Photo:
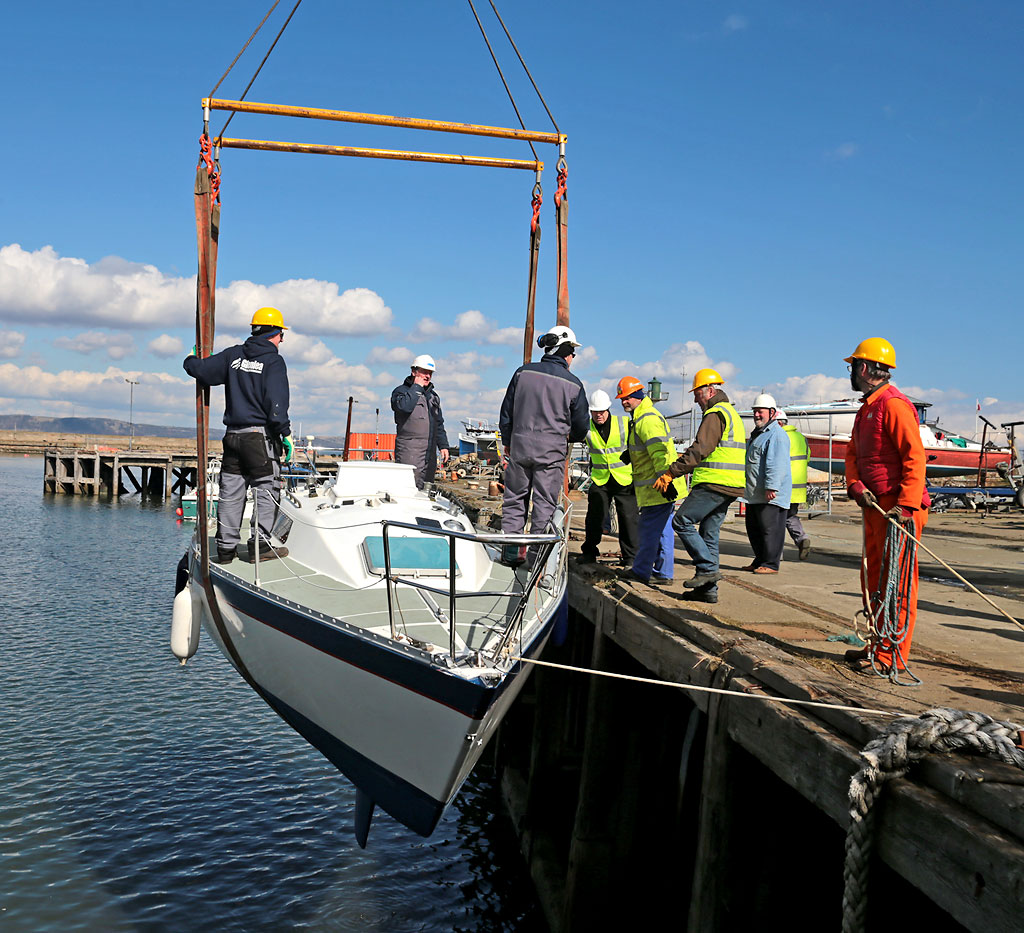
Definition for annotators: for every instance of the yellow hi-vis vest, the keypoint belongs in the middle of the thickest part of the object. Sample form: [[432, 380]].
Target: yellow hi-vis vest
[[605, 457], [797, 463], [651, 453], [726, 464]]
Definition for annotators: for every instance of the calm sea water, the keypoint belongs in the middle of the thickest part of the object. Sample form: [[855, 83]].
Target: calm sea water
[[136, 794]]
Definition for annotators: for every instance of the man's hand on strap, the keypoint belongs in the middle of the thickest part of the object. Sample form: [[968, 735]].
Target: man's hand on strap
[[289, 448]]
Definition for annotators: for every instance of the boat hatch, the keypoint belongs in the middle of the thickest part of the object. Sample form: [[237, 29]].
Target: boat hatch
[[426, 556]]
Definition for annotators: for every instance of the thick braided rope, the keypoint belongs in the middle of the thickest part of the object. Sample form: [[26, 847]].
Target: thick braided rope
[[890, 755]]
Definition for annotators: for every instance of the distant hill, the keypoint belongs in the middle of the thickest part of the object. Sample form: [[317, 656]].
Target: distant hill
[[106, 426]]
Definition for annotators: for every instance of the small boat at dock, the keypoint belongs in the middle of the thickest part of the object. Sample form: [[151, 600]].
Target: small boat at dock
[[390, 637]]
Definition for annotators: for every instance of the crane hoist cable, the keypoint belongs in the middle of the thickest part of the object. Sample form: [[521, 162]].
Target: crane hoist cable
[[280, 32]]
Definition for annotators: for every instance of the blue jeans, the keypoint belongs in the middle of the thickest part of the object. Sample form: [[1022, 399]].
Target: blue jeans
[[698, 523], [655, 548]]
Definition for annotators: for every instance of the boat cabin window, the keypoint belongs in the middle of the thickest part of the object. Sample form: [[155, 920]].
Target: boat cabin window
[[423, 556]]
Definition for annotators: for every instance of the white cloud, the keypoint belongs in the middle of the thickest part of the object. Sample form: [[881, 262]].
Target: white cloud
[[469, 325], [298, 348], [45, 288], [11, 342], [103, 394], [401, 355], [735, 22], [166, 346], [116, 346]]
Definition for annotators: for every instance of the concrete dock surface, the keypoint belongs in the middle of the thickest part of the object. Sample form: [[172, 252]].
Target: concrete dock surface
[[967, 654]]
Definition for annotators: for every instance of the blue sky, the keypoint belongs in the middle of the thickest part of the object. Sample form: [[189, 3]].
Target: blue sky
[[754, 186]]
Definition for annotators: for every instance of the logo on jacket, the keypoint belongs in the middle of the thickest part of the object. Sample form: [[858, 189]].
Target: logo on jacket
[[247, 366]]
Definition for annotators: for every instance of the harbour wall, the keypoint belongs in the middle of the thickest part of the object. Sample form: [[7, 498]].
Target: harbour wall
[[641, 804]]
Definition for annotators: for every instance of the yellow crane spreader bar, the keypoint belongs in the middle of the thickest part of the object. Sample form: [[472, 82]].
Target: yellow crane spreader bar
[[271, 145], [379, 119]]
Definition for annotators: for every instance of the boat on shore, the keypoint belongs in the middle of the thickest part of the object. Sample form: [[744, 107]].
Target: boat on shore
[[479, 438], [391, 637], [827, 427]]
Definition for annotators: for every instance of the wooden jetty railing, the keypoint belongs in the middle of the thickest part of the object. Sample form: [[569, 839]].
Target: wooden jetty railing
[[82, 472]]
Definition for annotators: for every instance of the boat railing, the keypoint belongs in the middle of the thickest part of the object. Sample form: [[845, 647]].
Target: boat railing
[[545, 544]]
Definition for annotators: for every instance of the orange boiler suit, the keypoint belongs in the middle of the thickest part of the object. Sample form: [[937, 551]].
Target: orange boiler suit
[[886, 454]]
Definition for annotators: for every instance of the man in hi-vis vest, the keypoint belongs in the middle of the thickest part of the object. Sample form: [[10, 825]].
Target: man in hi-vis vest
[[716, 461], [611, 480], [651, 450], [798, 453]]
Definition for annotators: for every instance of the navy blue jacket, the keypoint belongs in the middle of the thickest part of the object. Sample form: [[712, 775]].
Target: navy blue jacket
[[544, 409], [255, 381]]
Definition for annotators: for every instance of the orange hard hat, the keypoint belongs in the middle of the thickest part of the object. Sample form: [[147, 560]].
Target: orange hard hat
[[628, 385], [875, 349], [706, 377]]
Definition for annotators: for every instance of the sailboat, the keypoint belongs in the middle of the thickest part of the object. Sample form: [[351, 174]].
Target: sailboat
[[391, 637]]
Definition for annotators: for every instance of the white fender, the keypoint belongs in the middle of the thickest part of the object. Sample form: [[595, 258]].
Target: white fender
[[184, 626]]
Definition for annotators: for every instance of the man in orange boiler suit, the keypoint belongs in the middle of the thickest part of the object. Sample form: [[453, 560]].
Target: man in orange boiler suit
[[885, 465]]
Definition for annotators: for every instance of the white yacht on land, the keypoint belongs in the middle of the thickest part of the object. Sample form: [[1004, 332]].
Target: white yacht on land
[[390, 637]]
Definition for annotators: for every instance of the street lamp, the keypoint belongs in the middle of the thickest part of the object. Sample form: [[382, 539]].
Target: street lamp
[[131, 409]]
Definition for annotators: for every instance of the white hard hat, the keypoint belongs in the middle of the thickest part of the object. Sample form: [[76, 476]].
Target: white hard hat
[[781, 415], [424, 361], [599, 400], [764, 400], [556, 337]]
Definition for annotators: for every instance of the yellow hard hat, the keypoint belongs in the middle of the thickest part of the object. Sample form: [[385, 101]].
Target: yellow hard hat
[[268, 316], [876, 349], [706, 377]]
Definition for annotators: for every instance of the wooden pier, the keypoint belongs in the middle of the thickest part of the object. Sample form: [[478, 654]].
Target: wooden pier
[[78, 472], [640, 806]]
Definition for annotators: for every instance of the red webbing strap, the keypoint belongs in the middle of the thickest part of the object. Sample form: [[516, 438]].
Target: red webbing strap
[[531, 292], [562, 216], [207, 233]]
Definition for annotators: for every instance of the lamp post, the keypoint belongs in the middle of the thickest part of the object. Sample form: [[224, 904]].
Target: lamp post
[[131, 409]]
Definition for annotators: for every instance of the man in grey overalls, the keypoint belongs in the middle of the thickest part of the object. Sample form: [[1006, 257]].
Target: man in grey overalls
[[419, 423], [255, 381], [544, 410]]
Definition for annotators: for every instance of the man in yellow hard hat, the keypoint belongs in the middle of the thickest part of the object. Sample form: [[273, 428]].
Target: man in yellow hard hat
[[885, 470], [716, 461], [255, 380], [651, 450]]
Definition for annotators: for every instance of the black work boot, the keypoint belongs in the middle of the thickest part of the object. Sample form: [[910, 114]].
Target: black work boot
[[266, 552], [224, 557]]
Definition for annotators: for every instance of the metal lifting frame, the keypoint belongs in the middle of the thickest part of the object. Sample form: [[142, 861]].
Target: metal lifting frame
[[377, 119]]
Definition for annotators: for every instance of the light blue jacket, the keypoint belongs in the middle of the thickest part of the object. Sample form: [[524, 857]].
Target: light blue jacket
[[768, 466]]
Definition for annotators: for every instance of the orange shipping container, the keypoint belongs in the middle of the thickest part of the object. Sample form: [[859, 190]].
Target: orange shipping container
[[366, 445]]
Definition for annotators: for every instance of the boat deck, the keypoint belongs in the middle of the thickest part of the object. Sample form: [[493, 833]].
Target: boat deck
[[480, 620]]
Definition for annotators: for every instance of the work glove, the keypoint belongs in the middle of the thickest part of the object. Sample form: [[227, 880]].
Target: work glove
[[900, 513], [663, 482], [289, 449], [863, 496], [670, 493], [624, 457]]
